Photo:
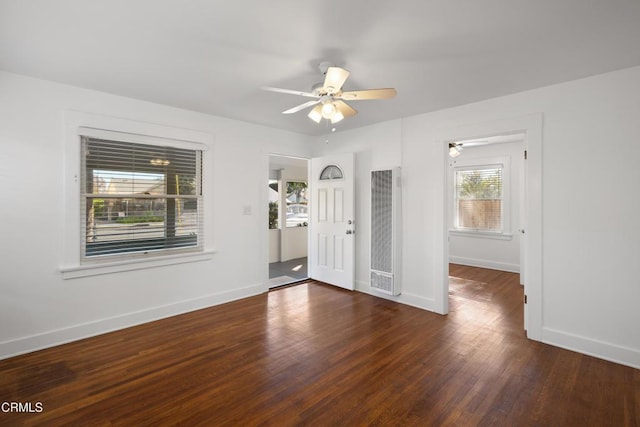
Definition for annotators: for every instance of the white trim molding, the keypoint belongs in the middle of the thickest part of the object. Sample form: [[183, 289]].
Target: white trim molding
[[98, 327], [404, 298], [484, 263], [87, 270], [600, 349]]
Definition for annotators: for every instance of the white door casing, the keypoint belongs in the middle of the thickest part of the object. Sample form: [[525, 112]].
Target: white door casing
[[531, 126], [332, 228], [522, 233]]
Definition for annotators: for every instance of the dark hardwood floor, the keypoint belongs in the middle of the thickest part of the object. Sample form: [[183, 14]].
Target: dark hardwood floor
[[316, 355]]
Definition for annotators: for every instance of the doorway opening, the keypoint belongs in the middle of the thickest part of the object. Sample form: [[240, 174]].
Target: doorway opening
[[485, 218], [531, 214], [288, 220]]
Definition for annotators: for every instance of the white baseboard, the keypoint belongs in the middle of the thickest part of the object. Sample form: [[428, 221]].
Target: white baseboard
[[600, 349], [404, 298], [484, 263], [48, 339], [603, 350]]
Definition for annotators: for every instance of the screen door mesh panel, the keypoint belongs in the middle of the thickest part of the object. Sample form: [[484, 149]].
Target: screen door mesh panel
[[382, 220]]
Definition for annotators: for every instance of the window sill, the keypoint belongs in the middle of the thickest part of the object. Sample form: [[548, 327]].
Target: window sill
[[481, 234], [134, 264]]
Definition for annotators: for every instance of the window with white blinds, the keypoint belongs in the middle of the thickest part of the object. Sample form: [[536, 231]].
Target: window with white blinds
[[139, 199], [479, 201]]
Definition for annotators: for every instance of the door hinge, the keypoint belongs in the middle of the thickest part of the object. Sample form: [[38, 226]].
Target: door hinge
[[525, 154], [525, 298]]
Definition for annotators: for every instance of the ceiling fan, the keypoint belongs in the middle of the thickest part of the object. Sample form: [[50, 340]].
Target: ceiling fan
[[329, 98]]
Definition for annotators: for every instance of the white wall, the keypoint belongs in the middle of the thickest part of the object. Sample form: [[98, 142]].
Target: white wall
[[37, 307], [590, 273], [294, 243], [274, 245], [487, 251], [590, 276]]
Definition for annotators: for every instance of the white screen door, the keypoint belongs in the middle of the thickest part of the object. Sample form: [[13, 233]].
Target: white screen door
[[331, 250]]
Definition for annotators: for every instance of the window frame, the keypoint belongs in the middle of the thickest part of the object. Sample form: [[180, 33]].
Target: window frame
[[157, 246], [482, 164], [78, 123], [327, 173]]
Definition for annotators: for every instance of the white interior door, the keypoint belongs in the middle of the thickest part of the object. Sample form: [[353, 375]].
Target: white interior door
[[331, 247]]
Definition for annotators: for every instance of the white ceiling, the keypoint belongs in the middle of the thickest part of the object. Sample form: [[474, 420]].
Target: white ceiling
[[284, 162], [213, 56]]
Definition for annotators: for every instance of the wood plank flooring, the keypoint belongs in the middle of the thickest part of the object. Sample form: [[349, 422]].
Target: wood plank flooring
[[316, 355]]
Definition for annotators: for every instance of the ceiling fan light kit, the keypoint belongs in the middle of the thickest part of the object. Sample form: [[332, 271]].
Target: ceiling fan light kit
[[328, 110], [328, 96], [316, 114], [337, 117]]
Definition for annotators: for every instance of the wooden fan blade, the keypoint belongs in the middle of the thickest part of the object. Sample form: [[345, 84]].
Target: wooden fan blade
[[289, 91], [334, 80], [345, 109], [301, 107], [369, 94]]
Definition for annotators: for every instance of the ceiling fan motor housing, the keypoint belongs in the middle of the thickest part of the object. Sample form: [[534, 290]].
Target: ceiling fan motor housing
[[316, 89], [324, 66]]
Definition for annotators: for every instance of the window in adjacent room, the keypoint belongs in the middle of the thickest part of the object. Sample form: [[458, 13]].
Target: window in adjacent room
[[479, 198], [297, 204], [139, 199]]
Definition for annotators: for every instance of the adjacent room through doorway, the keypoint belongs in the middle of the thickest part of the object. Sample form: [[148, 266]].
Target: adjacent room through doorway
[[485, 216], [288, 220]]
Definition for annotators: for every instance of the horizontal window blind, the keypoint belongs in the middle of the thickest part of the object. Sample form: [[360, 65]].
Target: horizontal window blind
[[478, 198], [139, 198]]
